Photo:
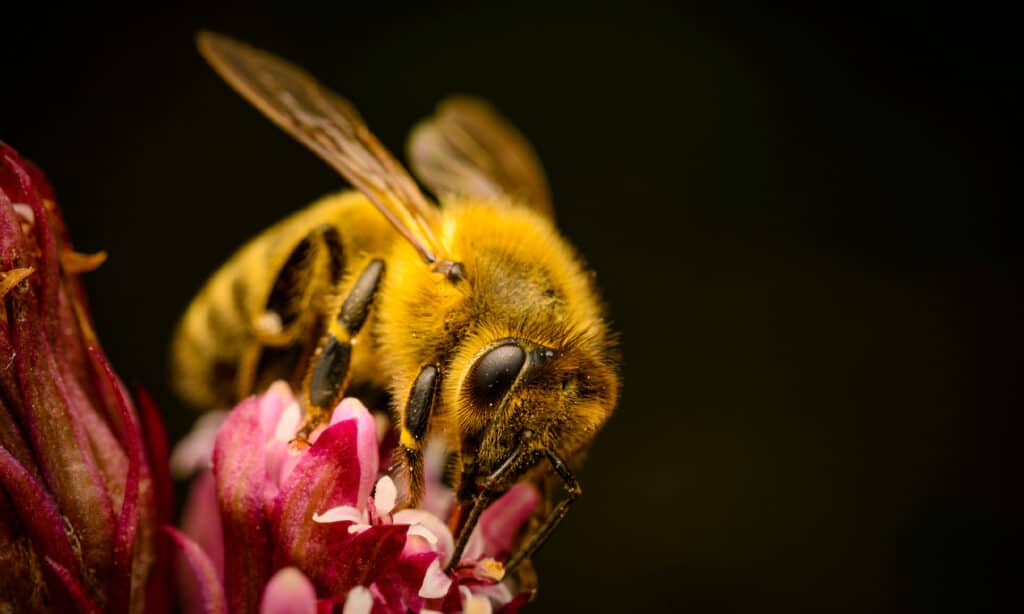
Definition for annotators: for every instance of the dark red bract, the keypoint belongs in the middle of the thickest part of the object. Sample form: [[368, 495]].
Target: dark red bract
[[84, 484]]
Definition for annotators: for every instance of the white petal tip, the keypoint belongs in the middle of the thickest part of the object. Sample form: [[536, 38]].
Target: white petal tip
[[435, 582], [385, 495], [25, 212], [424, 532], [338, 514], [358, 601]]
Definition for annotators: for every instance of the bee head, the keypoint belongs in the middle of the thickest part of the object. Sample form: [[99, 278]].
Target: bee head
[[560, 395]]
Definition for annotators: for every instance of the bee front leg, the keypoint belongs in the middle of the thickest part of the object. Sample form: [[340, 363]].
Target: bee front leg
[[488, 490], [418, 407], [573, 491], [328, 375]]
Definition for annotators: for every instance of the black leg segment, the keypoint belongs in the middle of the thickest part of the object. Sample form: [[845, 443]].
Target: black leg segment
[[488, 492], [572, 489], [329, 373], [421, 400], [357, 304]]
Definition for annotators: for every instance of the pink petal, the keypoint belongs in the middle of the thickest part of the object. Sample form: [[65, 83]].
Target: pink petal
[[240, 472], [361, 558], [273, 404], [435, 582], [211, 592], [195, 451], [289, 421], [497, 593], [200, 520], [326, 476], [411, 576], [445, 543], [496, 533], [367, 452], [289, 592]]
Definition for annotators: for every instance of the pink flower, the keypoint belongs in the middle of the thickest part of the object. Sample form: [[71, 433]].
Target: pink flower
[[83, 475], [303, 530]]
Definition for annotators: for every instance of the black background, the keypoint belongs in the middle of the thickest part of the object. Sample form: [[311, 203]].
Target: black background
[[800, 222]]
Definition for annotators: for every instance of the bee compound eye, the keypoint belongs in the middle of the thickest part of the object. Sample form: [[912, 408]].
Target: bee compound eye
[[494, 373]]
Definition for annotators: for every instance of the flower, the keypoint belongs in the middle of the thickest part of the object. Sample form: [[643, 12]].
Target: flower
[[277, 527], [83, 479]]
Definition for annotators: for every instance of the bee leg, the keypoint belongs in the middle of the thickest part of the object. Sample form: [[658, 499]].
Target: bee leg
[[417, 418], [572, 489], [488, 491], [326, 380]]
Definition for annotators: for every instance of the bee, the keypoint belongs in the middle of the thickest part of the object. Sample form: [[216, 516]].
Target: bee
[[476, 316]]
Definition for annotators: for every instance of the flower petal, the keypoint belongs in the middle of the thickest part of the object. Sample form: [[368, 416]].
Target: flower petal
[[340, 513], [419, 530], [273, 403], [497, 593], [384, 496], [358, 601], [211, 592], [445, 544], [474, 604], [435, 582], [367, 450], [240, 472], [361, 558], [289, 592], [324, 477], [496, 533], [195, 451], [289, 422], [200, 520]]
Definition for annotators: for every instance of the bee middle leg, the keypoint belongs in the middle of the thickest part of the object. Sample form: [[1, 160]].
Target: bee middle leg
[[328, 375]]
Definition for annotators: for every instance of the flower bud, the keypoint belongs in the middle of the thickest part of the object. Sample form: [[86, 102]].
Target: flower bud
[[84, 485]]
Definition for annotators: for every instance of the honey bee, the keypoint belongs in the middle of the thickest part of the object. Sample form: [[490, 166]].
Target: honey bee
[[476, 316]]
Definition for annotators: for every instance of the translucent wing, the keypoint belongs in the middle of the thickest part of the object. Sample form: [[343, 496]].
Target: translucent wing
[[468, 148], [330, 126]]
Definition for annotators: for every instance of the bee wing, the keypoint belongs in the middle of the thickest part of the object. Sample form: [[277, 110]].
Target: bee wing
[[330, 126], [468, 148]]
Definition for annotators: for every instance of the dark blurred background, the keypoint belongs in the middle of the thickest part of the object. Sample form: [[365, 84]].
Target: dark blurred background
[[800, 221]]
